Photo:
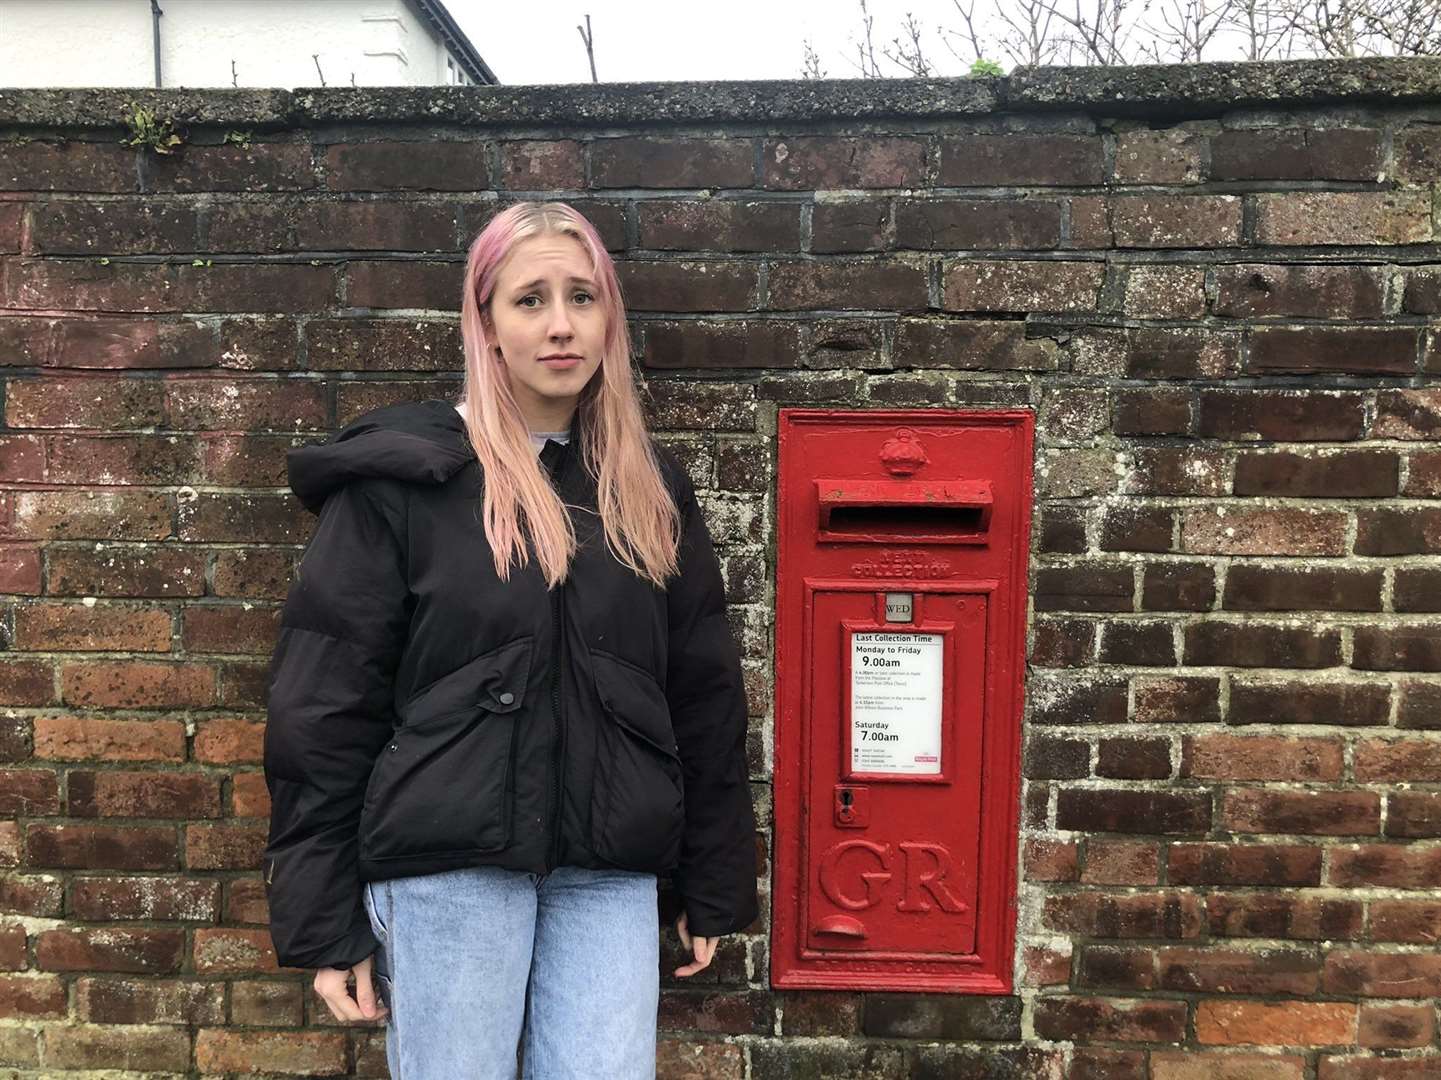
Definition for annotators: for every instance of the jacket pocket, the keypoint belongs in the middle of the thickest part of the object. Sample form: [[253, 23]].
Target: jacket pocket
[[444, 781], [637, 799]]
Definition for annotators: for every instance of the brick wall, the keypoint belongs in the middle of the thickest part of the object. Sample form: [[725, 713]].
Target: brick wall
[[1216, 287]]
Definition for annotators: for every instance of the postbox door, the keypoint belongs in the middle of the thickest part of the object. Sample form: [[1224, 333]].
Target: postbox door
[[894, 781]]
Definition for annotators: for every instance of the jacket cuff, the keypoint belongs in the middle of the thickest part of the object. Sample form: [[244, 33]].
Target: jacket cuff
[[345, 953]]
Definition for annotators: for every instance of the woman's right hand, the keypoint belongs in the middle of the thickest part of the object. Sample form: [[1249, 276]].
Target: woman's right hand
[[331, 985]]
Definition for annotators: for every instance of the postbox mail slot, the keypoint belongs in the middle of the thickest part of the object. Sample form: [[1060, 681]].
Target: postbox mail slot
[[908, 511]]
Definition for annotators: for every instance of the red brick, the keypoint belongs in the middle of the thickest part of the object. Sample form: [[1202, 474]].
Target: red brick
[[245, 404], [96, 847], [106, 403], [1021, 286], [139, 1001], [1319, 813], [1155, 914], [830, 162], [1396, 866], [31, 997], [19, 569], [115, 514], [115, 570], [1308, 153], [1190, 1065], [1230, 530], [303, 1053], [254, 1003], [224, 846], [1174, 221], [1243, 864], [127, 684], [78, 739], [249, 795], [29, 792], [537, 165], [1050, 860], [163, 899], [1244, 757], [393, 164], [1343, 217], [1110, 1020], [833, 284], [1289, 916], [76, 1046], [26, 682], [142, 951], [120, 793], [1391, 975], [120, 459], [1121, 862], [1397, 1026], [1412, 922], [231, 951], [1415, 814], [1020, 158], [93, 627], [232, 628], [1213, 970], [1380, 760], [1289, 1023], [671, 163], [1369, 1068]]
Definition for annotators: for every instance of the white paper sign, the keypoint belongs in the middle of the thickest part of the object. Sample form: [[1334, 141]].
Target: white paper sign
[[896, 702]]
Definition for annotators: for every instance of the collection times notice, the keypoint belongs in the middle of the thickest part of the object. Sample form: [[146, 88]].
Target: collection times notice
[[896, 702]]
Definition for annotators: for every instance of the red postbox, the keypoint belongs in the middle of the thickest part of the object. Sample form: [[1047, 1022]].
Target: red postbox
[[900, 649]]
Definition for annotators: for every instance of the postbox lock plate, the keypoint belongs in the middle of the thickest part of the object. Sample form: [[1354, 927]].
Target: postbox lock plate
[[852, 807]]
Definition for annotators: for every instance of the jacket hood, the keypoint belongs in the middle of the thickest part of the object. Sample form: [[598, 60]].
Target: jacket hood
[[422, 442]]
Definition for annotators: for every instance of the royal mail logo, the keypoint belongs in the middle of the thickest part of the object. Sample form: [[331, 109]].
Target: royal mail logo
[[902, 564]]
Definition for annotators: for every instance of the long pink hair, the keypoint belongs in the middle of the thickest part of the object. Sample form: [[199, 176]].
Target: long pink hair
[[608, 432]]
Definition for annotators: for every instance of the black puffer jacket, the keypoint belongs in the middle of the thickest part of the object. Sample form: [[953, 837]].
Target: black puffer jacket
[[425, 715]]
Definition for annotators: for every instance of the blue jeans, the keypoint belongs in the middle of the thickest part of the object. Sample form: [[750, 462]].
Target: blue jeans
[[474, 962]]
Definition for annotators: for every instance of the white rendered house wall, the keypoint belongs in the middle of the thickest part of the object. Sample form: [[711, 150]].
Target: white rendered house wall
[[70, 43]]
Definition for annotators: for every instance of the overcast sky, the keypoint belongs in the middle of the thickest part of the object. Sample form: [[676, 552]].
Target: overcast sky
[[642, 40], [637, 40]]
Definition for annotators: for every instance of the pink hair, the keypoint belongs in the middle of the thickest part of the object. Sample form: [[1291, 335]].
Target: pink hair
[[608, 433]]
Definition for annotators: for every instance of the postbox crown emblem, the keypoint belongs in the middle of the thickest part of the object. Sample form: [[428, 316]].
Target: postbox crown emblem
[[903, 453]]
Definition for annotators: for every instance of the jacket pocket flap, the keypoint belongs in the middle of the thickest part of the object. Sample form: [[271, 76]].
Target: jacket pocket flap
[[634, 700], [494, 681]]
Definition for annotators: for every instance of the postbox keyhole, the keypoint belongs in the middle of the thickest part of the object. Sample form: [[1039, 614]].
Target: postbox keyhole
[[852, 808]]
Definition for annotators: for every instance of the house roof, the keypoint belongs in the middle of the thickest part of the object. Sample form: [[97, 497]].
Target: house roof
[[440, 20]]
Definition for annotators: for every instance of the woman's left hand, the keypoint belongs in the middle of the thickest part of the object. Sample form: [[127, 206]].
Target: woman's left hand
[[703, 948]]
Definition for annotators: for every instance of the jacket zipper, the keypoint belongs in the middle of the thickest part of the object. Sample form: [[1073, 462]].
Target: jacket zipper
[[557, 598]]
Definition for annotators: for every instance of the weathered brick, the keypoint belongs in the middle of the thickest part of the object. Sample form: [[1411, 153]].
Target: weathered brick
[[95, 847], [1174, 221], [1288, 915], [1392, 865], [1243, 864], [1343, 217], [1253, 587], [1251, 290], [128, 684], [1106, 1020], [943, 224], [1321, 813], [887, 286], [1015, 158], [1355, 704], [1130, 811], [1015, 285], [1261, 757], [1277, 1024], [538, 164], [1297, 154], [137, 1001], [719, 225], [671, 163], [142, 951], [815, 162]]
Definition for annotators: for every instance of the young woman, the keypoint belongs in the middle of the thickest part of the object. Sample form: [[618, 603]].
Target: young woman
[[505, 696]]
